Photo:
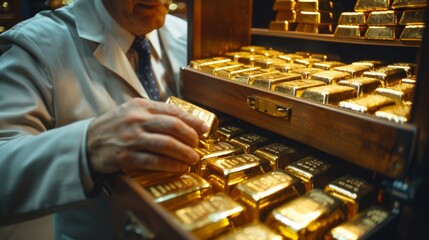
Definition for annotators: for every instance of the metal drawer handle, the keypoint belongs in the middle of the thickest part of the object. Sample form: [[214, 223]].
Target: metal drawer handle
[[269, 107]]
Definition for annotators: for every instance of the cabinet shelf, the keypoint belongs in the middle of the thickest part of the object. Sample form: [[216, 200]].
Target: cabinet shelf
[[331, 38]]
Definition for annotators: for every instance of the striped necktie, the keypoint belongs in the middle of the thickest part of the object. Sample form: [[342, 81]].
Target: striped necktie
[[144, 68]]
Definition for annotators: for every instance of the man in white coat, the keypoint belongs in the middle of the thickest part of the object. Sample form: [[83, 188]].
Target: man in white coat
[[72, 109]]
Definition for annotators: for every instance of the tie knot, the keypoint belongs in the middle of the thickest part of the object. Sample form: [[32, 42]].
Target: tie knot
[[141, 45]]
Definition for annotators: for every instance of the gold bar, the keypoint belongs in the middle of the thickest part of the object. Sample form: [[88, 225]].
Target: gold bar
[[353, 70], [372, 64], [314, 28], [211, 217], [314, 5], [361, 226], [215, 151], [357, 193], [286, 15], [331, 76], [388, 76], [249, 142], [270, 81], [314, 17], [308, 216], [224, 173], [252, 48], [412, 33], [198, 63], [268, 62], [399, 93], [395, 113], [362, 85], [329, 94], [286, 67], [261, 194], [284, 5], [397, 4], [413, 17], [282, 25], [307, 62], [384, 18], [248, 59], [229, 131], [352, 18], [296, 87], [371, 5], [233, 55], [208, 117], [314, 172], [249, 76], [411, 79], [269, 52], [214, 68], [350, 31], [383, 32], [231, 72], [325, 57], [305, 72], [328, 65], [367, 104], [290, 57], [207, 143], [410, 68], [279, 154], [146, 177], [256, 231], [175, 192]]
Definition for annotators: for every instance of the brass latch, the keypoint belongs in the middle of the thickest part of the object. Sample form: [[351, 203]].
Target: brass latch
[[269, 107]]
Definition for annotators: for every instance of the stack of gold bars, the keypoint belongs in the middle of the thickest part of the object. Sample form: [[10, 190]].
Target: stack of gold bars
[[366, 86], [310, 16], [250, 184], [383, 20]]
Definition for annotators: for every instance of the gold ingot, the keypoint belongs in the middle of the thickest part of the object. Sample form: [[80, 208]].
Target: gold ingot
[[207, 143], [279, 154], [367, 104], [410, 68], [329, 94], [331, 76], [306, 72], [350, 31], [206, 116], [249, 76], [362, 85], [219, 150], [353, 70], [308, 216], [249, 142], [284, 5], [252, 48], [395, 113], [411, 79], [286, 67], [211, 217], [290, 57], [249, 58], [237, 54], [314, 172], [263, 193], [231, 72], [256, 231], [361, 225], [214, 68], [384, 18], [314, 5], [314, 28], [399, 4], [357, 193], [173, 193], [371, 5], [383, 32], [388, 76], [352, 18], [224, 173], [412, 33], [398, 93], [268, 52], [282, 25], [328, 65], [307, 62], [268, 62], [229, 131], [286, 15], [296, 87], [270, 81], [145, 177], [372, 64], [198, 63], [314, 17], [413, 17]]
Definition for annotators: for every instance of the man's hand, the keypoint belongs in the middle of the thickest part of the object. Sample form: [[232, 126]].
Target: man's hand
[[144, 135]]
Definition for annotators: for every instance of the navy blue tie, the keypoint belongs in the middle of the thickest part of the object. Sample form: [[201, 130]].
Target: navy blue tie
[[144, 68]]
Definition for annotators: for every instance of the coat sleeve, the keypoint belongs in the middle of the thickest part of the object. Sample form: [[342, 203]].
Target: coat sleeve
[[42, 167]]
